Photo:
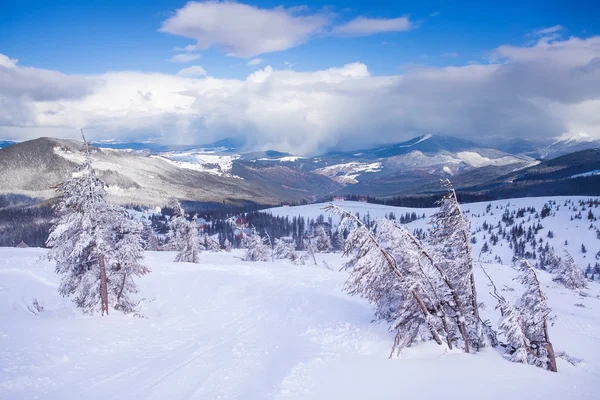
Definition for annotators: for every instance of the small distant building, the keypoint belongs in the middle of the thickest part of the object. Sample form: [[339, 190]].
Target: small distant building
[[338, 198], [202, 223], [22, 245], [241, 222], [362, 199]]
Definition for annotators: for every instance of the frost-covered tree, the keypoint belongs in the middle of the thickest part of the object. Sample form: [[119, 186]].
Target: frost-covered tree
[[391, 269], [178, 225], [150, 238], [97, 247], [287, 250], [525, 324], [258, 248], [534, 307], [450, 235], [208, 243], [125, 259], [322, 241], [569, 274], [512, 325], [227, 245], [283, 249], [189, 242]]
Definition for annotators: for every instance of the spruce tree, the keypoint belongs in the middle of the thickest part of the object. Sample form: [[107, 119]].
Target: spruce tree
[[97, 247], [569, 274]]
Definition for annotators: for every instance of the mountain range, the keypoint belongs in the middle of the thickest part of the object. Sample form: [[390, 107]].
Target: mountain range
[[223, 172]]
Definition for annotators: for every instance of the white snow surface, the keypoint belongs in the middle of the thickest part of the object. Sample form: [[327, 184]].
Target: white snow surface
[[283, 159], [589, 173], [228, 329], [348, 173], [202, 160]]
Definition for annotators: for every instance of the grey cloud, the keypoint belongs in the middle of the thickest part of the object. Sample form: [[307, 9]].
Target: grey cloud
[[549, 89]]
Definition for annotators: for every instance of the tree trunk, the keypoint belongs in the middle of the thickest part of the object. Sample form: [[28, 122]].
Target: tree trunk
[[474, 303], [103, 286], [122, 286], [550, 350]]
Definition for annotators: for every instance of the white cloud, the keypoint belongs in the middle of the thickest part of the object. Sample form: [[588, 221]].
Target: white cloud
[[194, 70], [184, 58], [549, 30], [550, 88], [255, 61], [242, 30], [362, 26]]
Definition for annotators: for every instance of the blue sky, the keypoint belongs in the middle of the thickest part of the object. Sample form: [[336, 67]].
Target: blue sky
[[303, 76], [97, 36]]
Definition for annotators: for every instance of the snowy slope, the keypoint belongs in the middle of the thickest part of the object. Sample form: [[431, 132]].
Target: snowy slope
[[230, 329], [576, 231]]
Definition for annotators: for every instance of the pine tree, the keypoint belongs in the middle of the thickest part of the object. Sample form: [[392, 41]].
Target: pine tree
[[391, 269], [525, 324], [512, 325], [151, 239], [210, 244], [322, 241], [258, 249], [126, 257], [189, 242], [178, 225], [569, 274], [283, 249], [96, 246], [287, 250], [449, 235]]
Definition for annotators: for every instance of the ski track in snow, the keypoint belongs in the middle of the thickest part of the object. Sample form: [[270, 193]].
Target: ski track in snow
[[228, 329]]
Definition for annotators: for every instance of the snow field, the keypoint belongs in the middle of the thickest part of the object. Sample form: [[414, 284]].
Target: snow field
[[229, 329]]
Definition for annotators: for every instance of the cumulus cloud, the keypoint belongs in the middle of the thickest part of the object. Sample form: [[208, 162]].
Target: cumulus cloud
[[194, 70], [242, 30], [548, 89], [362, 26], [184, 58]]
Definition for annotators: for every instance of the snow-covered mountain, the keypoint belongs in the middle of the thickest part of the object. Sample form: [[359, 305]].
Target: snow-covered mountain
[[224, 171], [543, 148], [35, 167]]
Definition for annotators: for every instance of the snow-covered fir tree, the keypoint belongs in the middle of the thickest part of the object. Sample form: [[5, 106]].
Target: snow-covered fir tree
[[210, 244], [283, 249], [392, 270], [322, 240], [258, 248], [512, 325], [227, 245], [569, 274], [125, 260], [97, 247], [286, 250], [450, 237], [178, 225], [189, 242], [151, 241], [525, 324], [536, 312]]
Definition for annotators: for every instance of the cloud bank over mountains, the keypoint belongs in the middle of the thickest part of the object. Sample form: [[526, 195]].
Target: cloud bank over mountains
[[548, 88]]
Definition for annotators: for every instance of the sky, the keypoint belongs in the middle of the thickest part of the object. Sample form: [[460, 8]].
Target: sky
[[298, 76]]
